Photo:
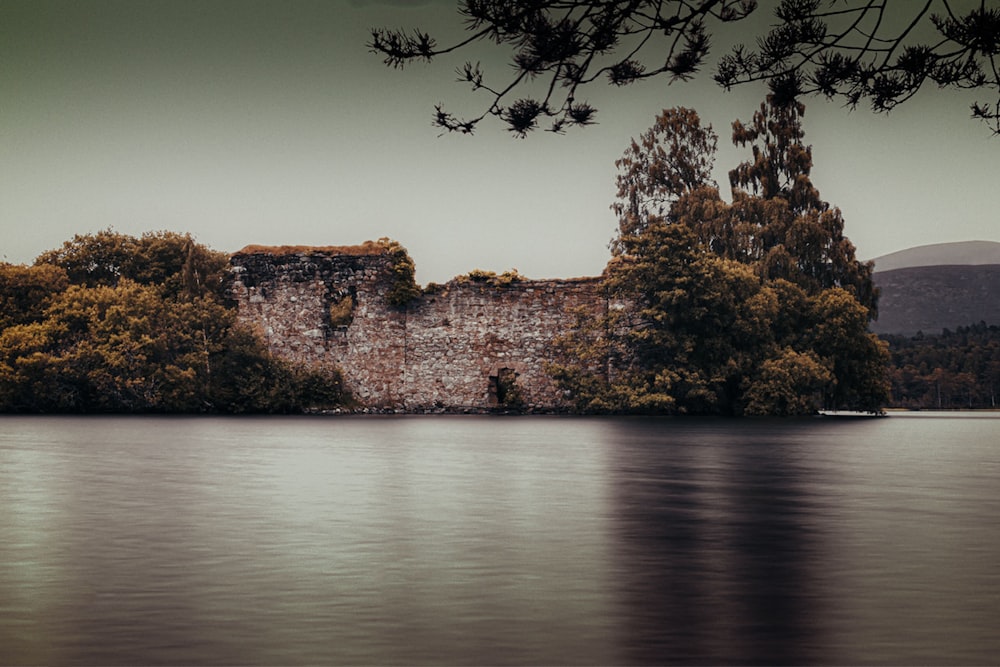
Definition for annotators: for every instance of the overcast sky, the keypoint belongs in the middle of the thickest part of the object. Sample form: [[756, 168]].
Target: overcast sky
[[268, 121]]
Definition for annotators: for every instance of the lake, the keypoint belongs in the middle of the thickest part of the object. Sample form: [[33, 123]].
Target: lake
[[500, 540]]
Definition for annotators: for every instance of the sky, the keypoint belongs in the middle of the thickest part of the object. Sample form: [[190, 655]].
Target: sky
[[270, 122]]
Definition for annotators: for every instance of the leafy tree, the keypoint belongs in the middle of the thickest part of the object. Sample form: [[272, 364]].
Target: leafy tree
[[25, 291], [777, 221], [795, 234], [173, 261], [94, 259], [102, 348], [145, 328], [876, 51], [686, 329], [707, 319], [671, 159], [838, 333], [788, 384]]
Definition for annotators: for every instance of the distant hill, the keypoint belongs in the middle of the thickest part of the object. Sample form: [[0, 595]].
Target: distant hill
[[941, 254], [935, 287]]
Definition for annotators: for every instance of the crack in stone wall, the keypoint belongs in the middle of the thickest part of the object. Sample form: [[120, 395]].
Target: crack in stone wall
[[445, 350]]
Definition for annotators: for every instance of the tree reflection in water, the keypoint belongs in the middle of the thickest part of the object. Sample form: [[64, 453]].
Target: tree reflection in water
[[716, 547]]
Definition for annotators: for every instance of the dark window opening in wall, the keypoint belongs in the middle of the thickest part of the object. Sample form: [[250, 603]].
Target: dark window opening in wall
[[504, 390]]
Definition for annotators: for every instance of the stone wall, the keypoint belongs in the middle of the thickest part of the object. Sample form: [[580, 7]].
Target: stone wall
[[463, 345]]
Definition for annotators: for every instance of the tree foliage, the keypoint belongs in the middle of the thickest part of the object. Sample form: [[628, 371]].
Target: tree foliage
[[671, 159], [112, 323], [175, 262], [25, 292], [876, 51], [758, 306], [404, 285], [949, 370]]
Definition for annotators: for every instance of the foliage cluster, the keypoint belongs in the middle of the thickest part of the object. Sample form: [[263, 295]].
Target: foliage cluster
[[876, 51], [341, 311], [491, 277], [954, 369], [753, 307], [366, 248], [404, 288], [114, 323]]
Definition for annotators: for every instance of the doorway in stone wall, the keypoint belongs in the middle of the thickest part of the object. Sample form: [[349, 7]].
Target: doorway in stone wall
[[504, 389]]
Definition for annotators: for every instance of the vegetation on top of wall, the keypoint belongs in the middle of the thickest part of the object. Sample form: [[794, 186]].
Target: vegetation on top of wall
[[404, 287], [491, 278], [113, 323], [366, 248]]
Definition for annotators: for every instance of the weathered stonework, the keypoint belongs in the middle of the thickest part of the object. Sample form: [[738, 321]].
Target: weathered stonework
[[463, 345]]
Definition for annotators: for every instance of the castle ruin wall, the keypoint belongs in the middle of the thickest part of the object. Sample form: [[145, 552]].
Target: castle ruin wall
[[458, 346]]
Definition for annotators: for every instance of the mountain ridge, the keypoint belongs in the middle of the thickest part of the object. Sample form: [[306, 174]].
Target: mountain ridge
[[939, 286], [959, 253]]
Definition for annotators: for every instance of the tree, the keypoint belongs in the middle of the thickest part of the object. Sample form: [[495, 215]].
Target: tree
[[93, 259], [688, 328], [876, 51], [173, 261], [756, 307], [777, 222], [790, 384], [25, 291], [112, 323], [796, 235], [838, 333], [671, 159]]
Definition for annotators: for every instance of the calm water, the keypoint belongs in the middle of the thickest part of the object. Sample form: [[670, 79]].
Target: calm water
[[499, 540]]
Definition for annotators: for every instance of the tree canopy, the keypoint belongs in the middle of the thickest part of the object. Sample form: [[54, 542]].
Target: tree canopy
[[951, 370], [113, 323], [879, 52], [753, 307]]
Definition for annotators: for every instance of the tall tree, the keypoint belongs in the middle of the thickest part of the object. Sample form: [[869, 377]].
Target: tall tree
[[755, 307], [876, 51], [797, 236], [672, 158]]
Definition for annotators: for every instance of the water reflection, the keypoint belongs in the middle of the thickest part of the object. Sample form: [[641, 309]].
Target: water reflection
[[303, 542], [716, 548], [499, 541]]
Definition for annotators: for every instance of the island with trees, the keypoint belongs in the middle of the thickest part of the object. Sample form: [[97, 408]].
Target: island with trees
[[752, 306]]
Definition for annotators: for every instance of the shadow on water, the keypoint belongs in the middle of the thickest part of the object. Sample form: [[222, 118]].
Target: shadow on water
[[500, 541], [716, 546]]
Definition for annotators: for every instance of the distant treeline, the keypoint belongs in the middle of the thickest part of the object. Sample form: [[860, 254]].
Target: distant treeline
[[113, 323], [951, 370]]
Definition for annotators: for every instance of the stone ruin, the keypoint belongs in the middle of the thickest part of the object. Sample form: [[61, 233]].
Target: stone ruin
[[465, 346]]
